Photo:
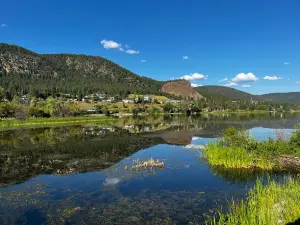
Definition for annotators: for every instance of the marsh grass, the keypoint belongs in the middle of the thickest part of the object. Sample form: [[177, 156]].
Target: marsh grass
[[238, 157], [149, 164], [237, 149], [11, 123], [273, 204]]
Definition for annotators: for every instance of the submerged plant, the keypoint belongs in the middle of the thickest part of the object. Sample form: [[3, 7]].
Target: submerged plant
[[146, 164], [265, 205]]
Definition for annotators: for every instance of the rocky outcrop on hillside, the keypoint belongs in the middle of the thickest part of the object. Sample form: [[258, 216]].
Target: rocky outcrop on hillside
[[181, 88]]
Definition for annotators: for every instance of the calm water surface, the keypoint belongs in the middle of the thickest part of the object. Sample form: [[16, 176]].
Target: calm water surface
[[79, 175]]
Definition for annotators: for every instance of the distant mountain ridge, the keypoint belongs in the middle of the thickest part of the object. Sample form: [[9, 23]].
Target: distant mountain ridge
[[23, 71], [234, 94]]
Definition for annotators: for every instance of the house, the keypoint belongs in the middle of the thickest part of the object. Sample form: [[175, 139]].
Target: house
[[147, 99], [91, 110], [86, 99], [128, 100], [24, 100]]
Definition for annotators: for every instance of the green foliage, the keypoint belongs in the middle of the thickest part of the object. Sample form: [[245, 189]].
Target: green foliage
[[51, 75], [237, 149], [264, 205], [235, 138], [295, 138]]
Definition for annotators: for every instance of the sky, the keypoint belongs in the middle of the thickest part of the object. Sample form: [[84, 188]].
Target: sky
[[249, 45]]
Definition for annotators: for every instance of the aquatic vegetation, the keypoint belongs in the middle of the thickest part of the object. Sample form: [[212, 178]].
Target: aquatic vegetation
[[219, 155], [237, 149], [149, 164], [276, 203]]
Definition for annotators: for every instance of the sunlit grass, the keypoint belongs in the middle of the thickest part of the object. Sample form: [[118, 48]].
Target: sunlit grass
[[274, 204], [8, 123], [218, 155]]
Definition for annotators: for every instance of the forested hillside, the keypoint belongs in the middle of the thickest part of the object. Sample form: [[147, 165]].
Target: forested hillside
[[221, 92], [291, 97], [25, 72]]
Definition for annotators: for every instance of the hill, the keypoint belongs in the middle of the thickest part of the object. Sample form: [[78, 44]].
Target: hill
[[225, 92], [291, 97], [23, 71], [181, 88]]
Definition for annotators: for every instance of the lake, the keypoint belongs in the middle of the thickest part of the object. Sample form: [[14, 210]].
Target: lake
[[79, 174]]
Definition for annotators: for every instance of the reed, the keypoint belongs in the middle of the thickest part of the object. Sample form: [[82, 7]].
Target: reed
[[273, 204]]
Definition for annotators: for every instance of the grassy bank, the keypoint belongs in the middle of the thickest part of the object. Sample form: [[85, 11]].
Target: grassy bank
[[265, 205], [237, 149], [31, 122]]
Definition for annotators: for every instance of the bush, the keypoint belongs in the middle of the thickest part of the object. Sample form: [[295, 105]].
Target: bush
[[235, 138], [295, 138]]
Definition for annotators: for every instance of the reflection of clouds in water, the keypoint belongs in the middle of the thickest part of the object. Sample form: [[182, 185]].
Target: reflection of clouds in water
[[111, 181], [194, 146], [195, 138]]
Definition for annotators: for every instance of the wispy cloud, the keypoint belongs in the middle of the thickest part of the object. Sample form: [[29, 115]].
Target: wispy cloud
[[185, 57], [224, 80], [196, 85], [132, 52], [108, 44], [286, 63], [143, 60], [230, 84], [245, 78], [272, 78], [2, 25], [194, 76], [246, 86], [297, 82]]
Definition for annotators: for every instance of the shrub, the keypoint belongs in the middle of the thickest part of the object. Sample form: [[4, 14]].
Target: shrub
[[235, 138], [295, 138]]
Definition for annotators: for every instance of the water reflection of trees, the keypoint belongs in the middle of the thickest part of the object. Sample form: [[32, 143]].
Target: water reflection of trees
[[65, 150]]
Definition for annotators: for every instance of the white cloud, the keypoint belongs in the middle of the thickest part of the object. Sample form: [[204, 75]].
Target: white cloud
[[143, 60], [196, 85], [230, 84], [111, 181], [224, 80], [122, 49], [185, 57], [194, 146], [244, 78], [298, 82], [126, 46], [272, 78], [286, 63], [132, 52], [108, 44], [246, 86], [194, 76], [3, 25]]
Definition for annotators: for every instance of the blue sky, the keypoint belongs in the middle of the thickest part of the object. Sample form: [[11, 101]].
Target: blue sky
[[254, 44]]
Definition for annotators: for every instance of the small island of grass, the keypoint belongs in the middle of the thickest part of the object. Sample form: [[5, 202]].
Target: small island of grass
[[237, 149]]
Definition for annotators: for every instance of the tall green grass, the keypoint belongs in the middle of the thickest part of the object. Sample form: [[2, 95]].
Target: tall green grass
[[237, 149], [274, 204], [238, 157]]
